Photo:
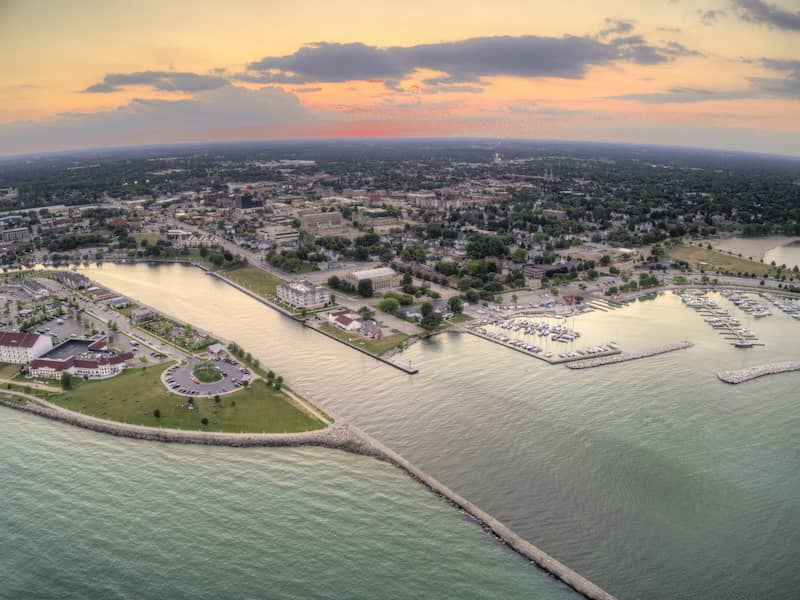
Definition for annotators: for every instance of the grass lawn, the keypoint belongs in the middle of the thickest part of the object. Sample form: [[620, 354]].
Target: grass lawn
[[713, 260], [254, 279], [207, 372], [151, 238], [127, 310], [462, 318], [132, 397], [374, 346], [8, 371]]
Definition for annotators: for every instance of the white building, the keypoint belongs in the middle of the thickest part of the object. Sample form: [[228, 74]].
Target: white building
[[382, 278], [21, 348], [342, 319], [303, 294], [278, 235]]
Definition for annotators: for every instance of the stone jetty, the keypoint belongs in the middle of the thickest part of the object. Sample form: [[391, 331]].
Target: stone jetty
[[626, 356], [742, 375], [341, 436]]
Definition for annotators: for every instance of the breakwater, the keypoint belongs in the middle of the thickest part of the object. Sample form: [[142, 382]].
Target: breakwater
[[496, 527], [742, 375], [626, 356], [340, 436]]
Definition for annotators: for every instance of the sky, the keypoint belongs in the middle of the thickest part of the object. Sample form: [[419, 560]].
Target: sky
[[102, 73]]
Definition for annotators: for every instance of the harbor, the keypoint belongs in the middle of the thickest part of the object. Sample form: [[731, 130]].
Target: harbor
[[535, 338], [722, 320], [749, 373]]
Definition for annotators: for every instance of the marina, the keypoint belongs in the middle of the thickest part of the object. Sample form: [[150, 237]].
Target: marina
[[749, 373], [535, 338], [721, 319]]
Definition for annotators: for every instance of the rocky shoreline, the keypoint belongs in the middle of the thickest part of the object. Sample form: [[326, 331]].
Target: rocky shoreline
[[742, 375]]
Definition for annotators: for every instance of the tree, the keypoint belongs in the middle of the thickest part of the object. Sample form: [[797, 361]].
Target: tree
[[366, 313], [270, 376], [389, 305], [66, 380], [605, 260], [216, 399], [157, 413], [365, 289], [204, 421], [455, 305], [514, 299], [426, 309]]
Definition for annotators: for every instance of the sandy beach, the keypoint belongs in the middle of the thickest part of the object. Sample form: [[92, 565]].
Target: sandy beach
[[754, 248]]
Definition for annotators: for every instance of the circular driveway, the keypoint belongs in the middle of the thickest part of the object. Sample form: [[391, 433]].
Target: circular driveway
[[180, 380]]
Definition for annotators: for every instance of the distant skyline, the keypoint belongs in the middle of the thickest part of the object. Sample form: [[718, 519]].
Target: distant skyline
[[711, 74]]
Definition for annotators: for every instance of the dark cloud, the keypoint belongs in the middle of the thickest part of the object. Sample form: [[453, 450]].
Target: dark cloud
[[710, 17], [465, 61], [160, 121], [169, 81], [784, 87], [685, 95], [307, 90], [763, 13], [760, 87], [615, 27]]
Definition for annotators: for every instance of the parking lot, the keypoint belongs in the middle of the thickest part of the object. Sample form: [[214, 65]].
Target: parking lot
[[180, 380]]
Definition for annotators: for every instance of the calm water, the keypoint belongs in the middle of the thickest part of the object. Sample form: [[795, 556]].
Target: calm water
[[87, 516], [788, 255], [652, 478]]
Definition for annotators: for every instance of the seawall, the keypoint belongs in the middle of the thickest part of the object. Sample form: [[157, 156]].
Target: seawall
[[407, 370]]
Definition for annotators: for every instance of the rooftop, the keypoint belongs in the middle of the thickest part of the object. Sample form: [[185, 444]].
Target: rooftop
[[18, 338], [374, 273]]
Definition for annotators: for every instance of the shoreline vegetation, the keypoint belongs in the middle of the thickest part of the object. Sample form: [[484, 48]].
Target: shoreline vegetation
[[340, 436]]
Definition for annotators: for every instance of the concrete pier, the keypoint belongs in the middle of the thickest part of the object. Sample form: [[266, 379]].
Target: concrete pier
[[610, 360], [742, 375]]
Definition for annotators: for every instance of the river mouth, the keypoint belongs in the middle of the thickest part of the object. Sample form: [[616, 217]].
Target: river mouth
[[651, 478]]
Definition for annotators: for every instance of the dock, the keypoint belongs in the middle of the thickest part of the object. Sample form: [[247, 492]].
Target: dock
[[587, 363], [555, 360], [742, 375]]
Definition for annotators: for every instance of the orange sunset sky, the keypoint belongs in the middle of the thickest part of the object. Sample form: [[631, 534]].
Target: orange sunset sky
[[707, 73]]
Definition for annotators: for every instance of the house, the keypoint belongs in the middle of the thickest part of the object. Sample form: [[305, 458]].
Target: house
[[88, 358], [140, 315], [18, 348], [303, 294], [342, 319], [371, 329], [34, 289], [74, 281], [119, 302], [214, 351]]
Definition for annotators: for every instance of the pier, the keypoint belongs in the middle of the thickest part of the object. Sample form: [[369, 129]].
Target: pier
[[742, 375], [554, 360], [588, 363]]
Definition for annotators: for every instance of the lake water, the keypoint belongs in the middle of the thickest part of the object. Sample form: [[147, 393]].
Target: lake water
[[788, 255], [88, 516], [651, 478]]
